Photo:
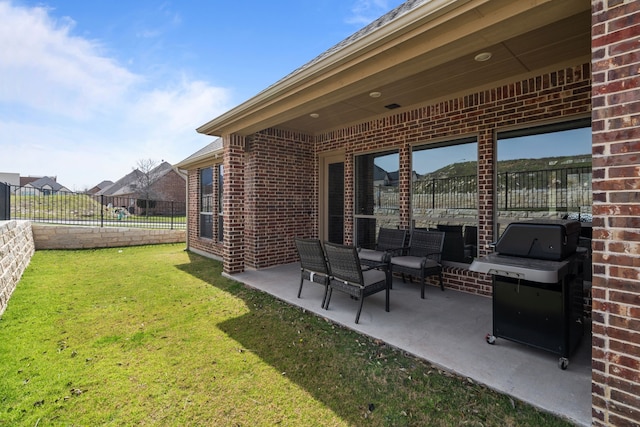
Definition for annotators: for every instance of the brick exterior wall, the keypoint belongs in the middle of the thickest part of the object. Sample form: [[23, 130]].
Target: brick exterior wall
[[171, 187], [279, 196], [274, 176], [233, 203], [271, 178], [559, 95], [616, 212]]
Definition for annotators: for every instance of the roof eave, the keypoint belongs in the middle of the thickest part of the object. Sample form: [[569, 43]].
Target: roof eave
[[227, 122], [203, 159]]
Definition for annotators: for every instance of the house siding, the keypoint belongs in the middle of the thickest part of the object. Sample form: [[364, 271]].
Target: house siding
[[616, 209]]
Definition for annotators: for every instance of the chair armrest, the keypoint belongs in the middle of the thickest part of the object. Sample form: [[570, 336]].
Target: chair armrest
[[373, 266], [400, 249], [431, 254]]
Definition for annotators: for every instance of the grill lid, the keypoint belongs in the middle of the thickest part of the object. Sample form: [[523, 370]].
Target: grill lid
[[541, 239]]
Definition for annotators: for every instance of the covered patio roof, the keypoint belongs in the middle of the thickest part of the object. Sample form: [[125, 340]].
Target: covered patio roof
[[419, 53]]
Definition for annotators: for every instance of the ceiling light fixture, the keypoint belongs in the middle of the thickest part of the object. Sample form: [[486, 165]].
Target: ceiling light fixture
[[375, 94], [314, 115], [483, 56]]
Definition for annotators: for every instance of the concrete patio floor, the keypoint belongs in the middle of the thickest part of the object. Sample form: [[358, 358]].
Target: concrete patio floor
[[448, 329]]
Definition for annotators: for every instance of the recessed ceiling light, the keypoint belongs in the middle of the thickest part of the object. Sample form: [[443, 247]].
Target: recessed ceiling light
[[314, 115], [392, 106], [483, 56], [375, 94]]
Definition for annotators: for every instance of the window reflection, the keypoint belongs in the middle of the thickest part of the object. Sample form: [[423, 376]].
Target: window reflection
[[206, 203], [545, 173], [376, 201], [445, 196]]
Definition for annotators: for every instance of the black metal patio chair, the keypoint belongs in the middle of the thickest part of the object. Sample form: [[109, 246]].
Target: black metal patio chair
[[423, 257], [390, 242], [348, 275], [313, 264]]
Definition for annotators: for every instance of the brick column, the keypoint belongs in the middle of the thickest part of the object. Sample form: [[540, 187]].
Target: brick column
[[405, 186], [233, 204], [616, 213], [486, 189], [349, 186]]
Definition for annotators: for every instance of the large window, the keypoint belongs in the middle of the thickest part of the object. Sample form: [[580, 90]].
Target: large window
[[206, 203], [376, 201], [445, 195], [545, 173]]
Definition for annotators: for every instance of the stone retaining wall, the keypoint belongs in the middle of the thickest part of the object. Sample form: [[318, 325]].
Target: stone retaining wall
[[72, 237], [16, 248]]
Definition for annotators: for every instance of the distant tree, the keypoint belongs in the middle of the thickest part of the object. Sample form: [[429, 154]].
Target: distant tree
[[145, 177]]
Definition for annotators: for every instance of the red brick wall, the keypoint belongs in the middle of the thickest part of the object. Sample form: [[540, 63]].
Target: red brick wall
[[616, 212], [234, 203], [271, 178], [562, 94], [279, 196], [171, 186]]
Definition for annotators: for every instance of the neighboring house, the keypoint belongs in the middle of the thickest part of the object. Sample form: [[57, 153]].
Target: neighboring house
[[163, 184], [431, 74], [45, 186], [24, 180], [380, 177], [102, 186]]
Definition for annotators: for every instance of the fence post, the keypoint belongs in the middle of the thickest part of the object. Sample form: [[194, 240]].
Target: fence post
[[506, 191], [102, 210], [433, 193], [5, 201]]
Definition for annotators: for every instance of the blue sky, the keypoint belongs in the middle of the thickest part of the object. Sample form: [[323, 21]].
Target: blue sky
[[89, 88]]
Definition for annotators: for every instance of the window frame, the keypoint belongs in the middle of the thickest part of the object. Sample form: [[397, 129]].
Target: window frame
[[533, 130], [205, 208], [220, 197], [362, 234], [461, 241]]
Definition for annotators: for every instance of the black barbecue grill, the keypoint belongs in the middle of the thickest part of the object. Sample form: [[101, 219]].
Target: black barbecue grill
[[537, 292]]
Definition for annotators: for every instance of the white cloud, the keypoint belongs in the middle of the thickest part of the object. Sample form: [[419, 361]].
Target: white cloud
[[68, 109], [366, 11], [48, 69]]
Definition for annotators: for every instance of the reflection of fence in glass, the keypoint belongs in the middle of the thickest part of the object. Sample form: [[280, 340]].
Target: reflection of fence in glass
[[457, 192], [85, 209], [563, 190]]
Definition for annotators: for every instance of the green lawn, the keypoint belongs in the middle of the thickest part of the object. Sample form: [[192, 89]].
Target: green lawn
[[155, 336]]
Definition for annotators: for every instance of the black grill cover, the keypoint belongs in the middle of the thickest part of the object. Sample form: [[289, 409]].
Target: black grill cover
[[549, 239]]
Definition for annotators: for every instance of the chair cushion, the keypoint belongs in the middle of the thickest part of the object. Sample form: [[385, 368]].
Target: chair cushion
[[413, 262], [373, 276], [371, 255], [408, 261]]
